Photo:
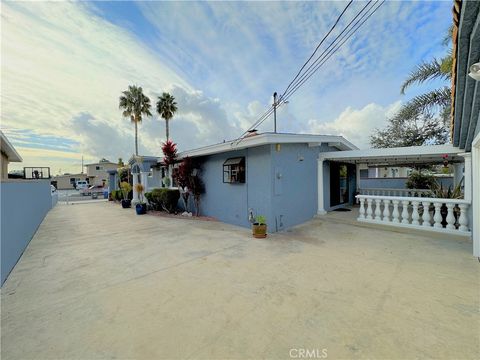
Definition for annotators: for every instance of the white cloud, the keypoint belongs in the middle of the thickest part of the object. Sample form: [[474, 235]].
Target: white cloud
[[356, 125]]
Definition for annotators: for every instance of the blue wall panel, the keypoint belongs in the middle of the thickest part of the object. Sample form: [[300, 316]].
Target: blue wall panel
[[24, 204]]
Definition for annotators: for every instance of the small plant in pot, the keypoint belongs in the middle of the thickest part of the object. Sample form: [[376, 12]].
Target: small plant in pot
[[141, 206], [126, 188], [259, 227]]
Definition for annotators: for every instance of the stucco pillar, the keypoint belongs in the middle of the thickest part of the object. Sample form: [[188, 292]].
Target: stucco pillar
[[357, 177], [321, 205], [135, 192], [457, 173], [144, 181], [467, 173], [475, 224]]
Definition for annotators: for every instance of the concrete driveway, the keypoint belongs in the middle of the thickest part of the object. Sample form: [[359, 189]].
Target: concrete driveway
[[99, 282]]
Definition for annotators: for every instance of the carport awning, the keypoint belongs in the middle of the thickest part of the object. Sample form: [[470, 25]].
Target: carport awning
[[433, 154]]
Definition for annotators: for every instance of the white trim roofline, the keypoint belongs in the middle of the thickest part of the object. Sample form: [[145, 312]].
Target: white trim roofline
[[271, 138], [410, 152], [9, 150]]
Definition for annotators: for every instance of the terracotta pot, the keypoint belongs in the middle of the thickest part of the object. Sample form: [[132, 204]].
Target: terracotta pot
[[259, 231]]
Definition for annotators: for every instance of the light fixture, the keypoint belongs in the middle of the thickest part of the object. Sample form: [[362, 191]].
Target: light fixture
[[475, 71]]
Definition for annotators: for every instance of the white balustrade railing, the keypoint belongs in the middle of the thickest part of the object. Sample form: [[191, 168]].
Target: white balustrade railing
[[434, 214], [395, 192]]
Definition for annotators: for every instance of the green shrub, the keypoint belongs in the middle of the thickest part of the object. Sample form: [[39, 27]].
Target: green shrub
[[116, 195], [163, 199], [418, 180]]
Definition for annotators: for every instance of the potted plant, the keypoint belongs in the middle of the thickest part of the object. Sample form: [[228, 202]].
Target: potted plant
[[450, 193], [126, 188], [141, 206], [259, 227]]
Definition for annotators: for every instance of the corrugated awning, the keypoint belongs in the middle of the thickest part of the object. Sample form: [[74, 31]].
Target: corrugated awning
[[234, 161]]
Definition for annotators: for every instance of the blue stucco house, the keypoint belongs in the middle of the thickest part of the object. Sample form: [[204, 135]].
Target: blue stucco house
[[270, 174]]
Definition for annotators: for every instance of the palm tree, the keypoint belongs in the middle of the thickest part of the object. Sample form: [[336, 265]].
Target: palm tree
[[166, 107], [435, 100], [134, 105]]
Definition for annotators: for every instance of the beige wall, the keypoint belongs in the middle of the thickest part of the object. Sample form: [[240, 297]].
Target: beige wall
[[4, 173], [100, 174], [63, 181]]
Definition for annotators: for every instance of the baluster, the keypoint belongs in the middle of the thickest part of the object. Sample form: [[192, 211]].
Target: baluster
[[369, 209], [361, 210], [405, 219], [415, 215], [378, 213], [437, 218], [395, 213], [463, 221], [450, 216], [426, 214], [386, 210]]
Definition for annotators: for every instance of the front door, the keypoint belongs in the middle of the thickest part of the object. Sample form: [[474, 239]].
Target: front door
[[338, 183]]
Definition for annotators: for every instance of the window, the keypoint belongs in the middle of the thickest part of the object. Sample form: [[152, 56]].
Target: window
[[98, 167], [234, 170]]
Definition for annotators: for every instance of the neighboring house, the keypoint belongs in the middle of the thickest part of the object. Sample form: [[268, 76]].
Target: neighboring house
[[67, 181], [99, 171], [9, 154], [24, 204]]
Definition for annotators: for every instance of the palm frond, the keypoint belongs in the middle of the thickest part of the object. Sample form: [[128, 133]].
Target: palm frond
[[423, 72], [425, 104]]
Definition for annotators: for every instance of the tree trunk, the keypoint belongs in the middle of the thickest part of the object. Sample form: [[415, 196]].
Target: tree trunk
[[167, 129], [136, 138]]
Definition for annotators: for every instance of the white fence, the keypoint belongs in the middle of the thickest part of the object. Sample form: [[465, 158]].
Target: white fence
[[432, 214], [395, 192]]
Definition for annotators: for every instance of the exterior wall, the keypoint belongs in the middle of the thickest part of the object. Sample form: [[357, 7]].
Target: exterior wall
[[101, 176], [63, 181], [281, 184], [230, 202], [24, 204], [4, 169], [294, 191]]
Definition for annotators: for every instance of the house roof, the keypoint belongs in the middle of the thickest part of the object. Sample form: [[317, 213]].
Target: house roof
[[396, 156], [102, 162], [465, 90], [8, 149], [338, 142]]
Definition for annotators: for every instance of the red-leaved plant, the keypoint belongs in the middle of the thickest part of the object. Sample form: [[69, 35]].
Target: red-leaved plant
[[181, 174], [169, 149]]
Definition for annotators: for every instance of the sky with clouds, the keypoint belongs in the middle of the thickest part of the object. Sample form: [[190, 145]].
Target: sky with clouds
[[64, 65]]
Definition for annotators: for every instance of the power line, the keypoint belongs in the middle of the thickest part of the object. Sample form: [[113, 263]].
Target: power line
[[333, 43], [329, 54], [323, 57], [319, 44]]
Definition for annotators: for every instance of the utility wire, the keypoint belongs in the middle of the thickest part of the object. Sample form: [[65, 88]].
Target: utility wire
[[323, 57], [270, 110], [332, 44], [319, 44], [328, 56], [332, 51]]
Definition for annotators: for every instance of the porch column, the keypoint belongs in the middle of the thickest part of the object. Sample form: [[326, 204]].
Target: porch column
[[321, 206], [467, 173], [357, 175], [475, 224], [144, 181], [135, 192], [457, 173]]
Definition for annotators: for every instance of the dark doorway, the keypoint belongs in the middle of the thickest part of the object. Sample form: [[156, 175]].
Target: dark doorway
[[339, 191]]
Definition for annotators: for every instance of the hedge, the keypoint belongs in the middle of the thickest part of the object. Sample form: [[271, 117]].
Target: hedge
[[163, 199]]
